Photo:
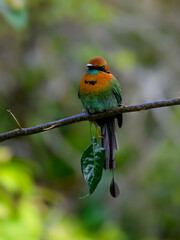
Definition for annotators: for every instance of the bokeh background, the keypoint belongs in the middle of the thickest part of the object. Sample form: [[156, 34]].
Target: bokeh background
[[44, 47]]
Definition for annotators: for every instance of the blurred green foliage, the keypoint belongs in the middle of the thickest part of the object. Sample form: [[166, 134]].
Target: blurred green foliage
[[14, 13], [44, 47]]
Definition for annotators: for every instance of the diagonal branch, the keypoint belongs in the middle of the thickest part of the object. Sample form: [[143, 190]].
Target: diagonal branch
[[85, 117]]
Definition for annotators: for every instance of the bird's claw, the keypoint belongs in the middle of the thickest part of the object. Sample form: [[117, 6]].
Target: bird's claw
[[122, 105]]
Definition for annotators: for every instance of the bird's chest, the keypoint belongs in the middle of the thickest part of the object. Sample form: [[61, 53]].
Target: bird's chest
[[94, 84], [96, 93]]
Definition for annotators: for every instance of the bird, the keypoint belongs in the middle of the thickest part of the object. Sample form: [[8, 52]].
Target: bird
[[100, 91]]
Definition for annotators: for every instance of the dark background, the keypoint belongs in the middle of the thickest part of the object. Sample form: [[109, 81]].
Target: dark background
[[44, 47]]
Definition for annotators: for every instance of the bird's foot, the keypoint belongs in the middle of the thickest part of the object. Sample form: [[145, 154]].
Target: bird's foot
[[122, 105]]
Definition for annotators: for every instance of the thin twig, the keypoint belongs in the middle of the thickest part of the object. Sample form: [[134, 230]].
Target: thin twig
[[9, 110], [85, 117]]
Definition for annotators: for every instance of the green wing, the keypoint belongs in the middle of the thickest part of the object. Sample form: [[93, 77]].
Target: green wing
[[117, 90]]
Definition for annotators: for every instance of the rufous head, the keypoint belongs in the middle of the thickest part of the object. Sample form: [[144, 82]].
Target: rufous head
[[98, 64]]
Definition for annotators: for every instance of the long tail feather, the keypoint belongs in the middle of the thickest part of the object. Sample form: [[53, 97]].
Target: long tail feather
[[105, 144], [120, 120], [114, 189], [109, 141], [111, 135]]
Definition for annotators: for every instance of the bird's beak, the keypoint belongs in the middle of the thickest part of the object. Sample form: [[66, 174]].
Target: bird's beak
[[89, 65]]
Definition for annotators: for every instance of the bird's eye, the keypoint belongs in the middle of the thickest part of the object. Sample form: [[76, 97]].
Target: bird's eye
[[102, 67], [104, 70]]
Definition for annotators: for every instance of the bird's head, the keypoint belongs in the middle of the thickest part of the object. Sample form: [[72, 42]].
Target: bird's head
[[96, 65]]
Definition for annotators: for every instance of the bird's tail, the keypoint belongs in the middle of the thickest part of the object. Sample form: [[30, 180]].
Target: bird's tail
[[109, 142]]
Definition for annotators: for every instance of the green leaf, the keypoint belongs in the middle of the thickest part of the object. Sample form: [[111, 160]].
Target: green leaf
[[16, 18], [92, 163]]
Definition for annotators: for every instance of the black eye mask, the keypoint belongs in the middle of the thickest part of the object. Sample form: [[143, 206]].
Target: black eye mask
[[102, 69]]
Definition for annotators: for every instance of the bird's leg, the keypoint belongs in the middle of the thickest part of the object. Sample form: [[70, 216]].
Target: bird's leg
[[97, 130]]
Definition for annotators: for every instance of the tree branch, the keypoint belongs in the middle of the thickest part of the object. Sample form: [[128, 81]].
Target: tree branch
[[85, 117]]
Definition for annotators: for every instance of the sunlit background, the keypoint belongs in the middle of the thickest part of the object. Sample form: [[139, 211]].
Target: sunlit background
[[44, 47]]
